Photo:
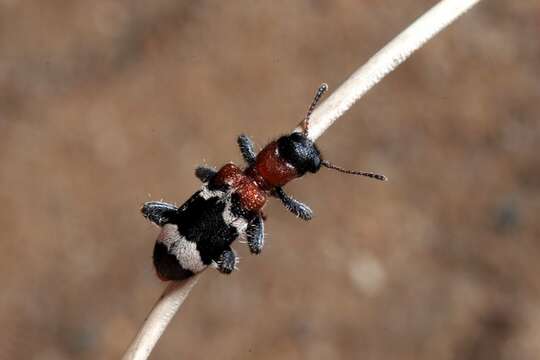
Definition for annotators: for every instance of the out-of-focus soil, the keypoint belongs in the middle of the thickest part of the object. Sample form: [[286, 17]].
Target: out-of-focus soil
[[105, 105]]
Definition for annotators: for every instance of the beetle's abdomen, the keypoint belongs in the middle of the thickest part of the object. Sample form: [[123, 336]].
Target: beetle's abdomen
[[167, 265], [176, 257], [202, 229]]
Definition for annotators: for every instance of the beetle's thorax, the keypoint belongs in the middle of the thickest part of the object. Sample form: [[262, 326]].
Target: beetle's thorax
[[270, 170], [252, 197], [281, 161]]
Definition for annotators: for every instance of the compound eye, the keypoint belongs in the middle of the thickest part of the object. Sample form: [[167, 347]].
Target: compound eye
[[316, 164]]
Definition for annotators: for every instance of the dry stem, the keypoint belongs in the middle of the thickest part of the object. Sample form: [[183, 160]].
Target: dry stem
[[154, 325], [383, 62]]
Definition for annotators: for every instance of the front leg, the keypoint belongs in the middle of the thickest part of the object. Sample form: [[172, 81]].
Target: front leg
[[247, 148], [227, 261], [255, 235], [296, 207], [158, 212]]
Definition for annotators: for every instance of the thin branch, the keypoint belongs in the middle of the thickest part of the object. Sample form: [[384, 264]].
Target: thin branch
[[154, 325], [383, 62]]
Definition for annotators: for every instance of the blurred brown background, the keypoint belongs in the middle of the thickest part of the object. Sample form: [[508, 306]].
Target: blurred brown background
[[107, 104]]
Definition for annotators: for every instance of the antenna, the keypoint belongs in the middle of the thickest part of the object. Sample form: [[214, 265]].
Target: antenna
[[361, 173], [322, 89]]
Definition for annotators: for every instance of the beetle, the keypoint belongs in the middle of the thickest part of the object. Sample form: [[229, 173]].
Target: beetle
[[229, 205]]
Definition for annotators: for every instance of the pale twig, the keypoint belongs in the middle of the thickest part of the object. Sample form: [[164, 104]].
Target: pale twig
[[166, 306], [383, 62]]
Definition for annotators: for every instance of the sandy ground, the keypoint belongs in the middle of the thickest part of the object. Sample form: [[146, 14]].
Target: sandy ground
[[107, 104]]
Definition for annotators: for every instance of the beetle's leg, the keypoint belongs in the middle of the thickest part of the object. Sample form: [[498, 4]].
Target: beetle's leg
[[158, 212], [255, 235], [205, 173], [247, 148], [227, 261], [296, 207]]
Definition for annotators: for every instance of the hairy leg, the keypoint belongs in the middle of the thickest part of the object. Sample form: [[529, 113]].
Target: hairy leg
[[255, 235], [296, 207], [227, 261], [205, 173], [247, 148], [158, 212]]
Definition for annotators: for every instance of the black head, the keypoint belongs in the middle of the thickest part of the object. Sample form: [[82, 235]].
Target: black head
[[300, 152]]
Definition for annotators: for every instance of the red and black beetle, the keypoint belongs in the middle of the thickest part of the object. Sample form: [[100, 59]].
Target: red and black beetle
[[229, 205]]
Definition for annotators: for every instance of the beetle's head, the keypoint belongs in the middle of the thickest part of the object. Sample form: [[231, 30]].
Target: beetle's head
[[300, 152]]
